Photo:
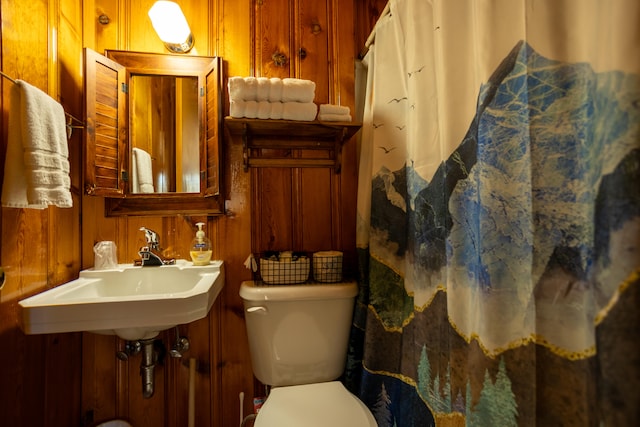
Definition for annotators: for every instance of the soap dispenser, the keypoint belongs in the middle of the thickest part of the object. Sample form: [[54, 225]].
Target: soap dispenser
[[200, 247]]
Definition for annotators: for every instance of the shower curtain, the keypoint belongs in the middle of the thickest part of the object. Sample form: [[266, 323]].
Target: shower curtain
[[499, 215]]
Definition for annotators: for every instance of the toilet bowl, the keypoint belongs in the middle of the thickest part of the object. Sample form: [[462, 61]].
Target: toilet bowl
[[298, 339], [314, 405], [114, 423]]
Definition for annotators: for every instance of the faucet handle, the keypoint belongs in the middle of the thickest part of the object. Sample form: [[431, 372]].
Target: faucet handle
[[152, 237]]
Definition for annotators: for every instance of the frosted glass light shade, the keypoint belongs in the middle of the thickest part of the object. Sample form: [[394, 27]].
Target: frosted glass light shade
[[171, 26]]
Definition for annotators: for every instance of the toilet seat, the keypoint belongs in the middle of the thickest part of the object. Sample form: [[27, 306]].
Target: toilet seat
[[314, 405]]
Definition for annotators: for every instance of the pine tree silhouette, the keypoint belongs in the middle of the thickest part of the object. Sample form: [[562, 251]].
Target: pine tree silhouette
[[381, 410]]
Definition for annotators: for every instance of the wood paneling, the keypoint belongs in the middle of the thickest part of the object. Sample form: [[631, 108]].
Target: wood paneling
[[76, 379], [40, 375]]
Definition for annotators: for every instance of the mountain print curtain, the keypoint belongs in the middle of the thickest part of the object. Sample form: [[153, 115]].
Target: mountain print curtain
[[499, 215]]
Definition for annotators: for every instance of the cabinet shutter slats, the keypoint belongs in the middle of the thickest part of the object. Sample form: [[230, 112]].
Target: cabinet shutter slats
[[105, 125]]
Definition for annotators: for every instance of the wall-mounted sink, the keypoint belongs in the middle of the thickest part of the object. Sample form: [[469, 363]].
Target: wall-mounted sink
[[129, 301]]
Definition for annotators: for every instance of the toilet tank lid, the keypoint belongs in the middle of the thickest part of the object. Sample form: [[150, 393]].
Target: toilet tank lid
[[251, 291]]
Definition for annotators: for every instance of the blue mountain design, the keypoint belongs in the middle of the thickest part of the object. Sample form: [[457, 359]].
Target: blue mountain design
[[542, 182]]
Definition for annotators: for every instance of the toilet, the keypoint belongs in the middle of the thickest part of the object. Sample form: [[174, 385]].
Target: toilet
[[298, 338]]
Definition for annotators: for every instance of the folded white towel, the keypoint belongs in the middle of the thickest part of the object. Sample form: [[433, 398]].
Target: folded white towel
[[264, 110], [251, 109], [250, 89], [334, 109], [301, 111], [243, 88], [263, 89], [236, 87], [275, 89], [142, 172], [277, 108], [237, 107], [37, 160], [298, 90], [334, 117]]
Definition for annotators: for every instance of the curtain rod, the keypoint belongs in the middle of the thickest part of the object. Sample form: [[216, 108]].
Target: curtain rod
[[372, 35]]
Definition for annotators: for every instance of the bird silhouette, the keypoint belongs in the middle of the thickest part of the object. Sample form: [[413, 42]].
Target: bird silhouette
[[397, 100], [387, 150], [376, 126], [416, 71]]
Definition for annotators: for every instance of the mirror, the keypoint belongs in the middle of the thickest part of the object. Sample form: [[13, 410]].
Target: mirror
[[152, 135], [164, 134]]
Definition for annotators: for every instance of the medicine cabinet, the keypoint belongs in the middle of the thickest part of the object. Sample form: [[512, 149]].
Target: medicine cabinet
[[153, 132]]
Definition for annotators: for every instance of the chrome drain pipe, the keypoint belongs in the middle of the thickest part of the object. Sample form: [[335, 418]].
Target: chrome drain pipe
[[147, 368]]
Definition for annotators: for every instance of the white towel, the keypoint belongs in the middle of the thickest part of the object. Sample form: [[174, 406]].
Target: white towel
[[263, 88], [251, 109], [298, 90], [334, 109], [300, 111], [275, 89], [264, 110], [36, 173], [237, 108], [276, 110], [250, 89], [334, 117], [237, 88], [142, 172]]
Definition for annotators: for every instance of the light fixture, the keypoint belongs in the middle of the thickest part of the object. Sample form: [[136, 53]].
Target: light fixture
[[171, 25]]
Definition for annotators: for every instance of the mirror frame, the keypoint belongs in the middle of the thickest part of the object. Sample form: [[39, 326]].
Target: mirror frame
[[119, 201]]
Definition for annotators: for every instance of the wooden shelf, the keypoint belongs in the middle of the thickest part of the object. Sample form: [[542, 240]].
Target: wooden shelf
[[287, 135]]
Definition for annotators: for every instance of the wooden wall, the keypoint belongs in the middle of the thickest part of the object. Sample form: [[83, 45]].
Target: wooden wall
[[75, 379]]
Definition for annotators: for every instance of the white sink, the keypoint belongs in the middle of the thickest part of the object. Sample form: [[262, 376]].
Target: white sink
[[129, 301]]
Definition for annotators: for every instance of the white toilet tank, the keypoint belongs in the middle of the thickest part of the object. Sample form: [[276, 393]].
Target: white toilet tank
[[298, 334]]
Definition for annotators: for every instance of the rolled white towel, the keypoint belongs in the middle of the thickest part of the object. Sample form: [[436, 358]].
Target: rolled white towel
[[334, 117], [251, 89], [334, 109], [301, 111], [251, 109], [263, 88], [264, 109], [275, 89], [237, 108], [277, 109], [298, 90], [237, 88]]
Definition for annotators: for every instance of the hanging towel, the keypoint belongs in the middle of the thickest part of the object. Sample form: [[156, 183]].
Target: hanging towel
[[36, 173], [142, 172]]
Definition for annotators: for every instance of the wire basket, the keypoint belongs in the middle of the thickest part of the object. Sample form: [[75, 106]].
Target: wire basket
[[283, 268], [327, 266]]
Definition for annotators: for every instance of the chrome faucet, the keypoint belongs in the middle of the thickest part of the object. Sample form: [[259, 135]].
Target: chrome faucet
[[152, 254]]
